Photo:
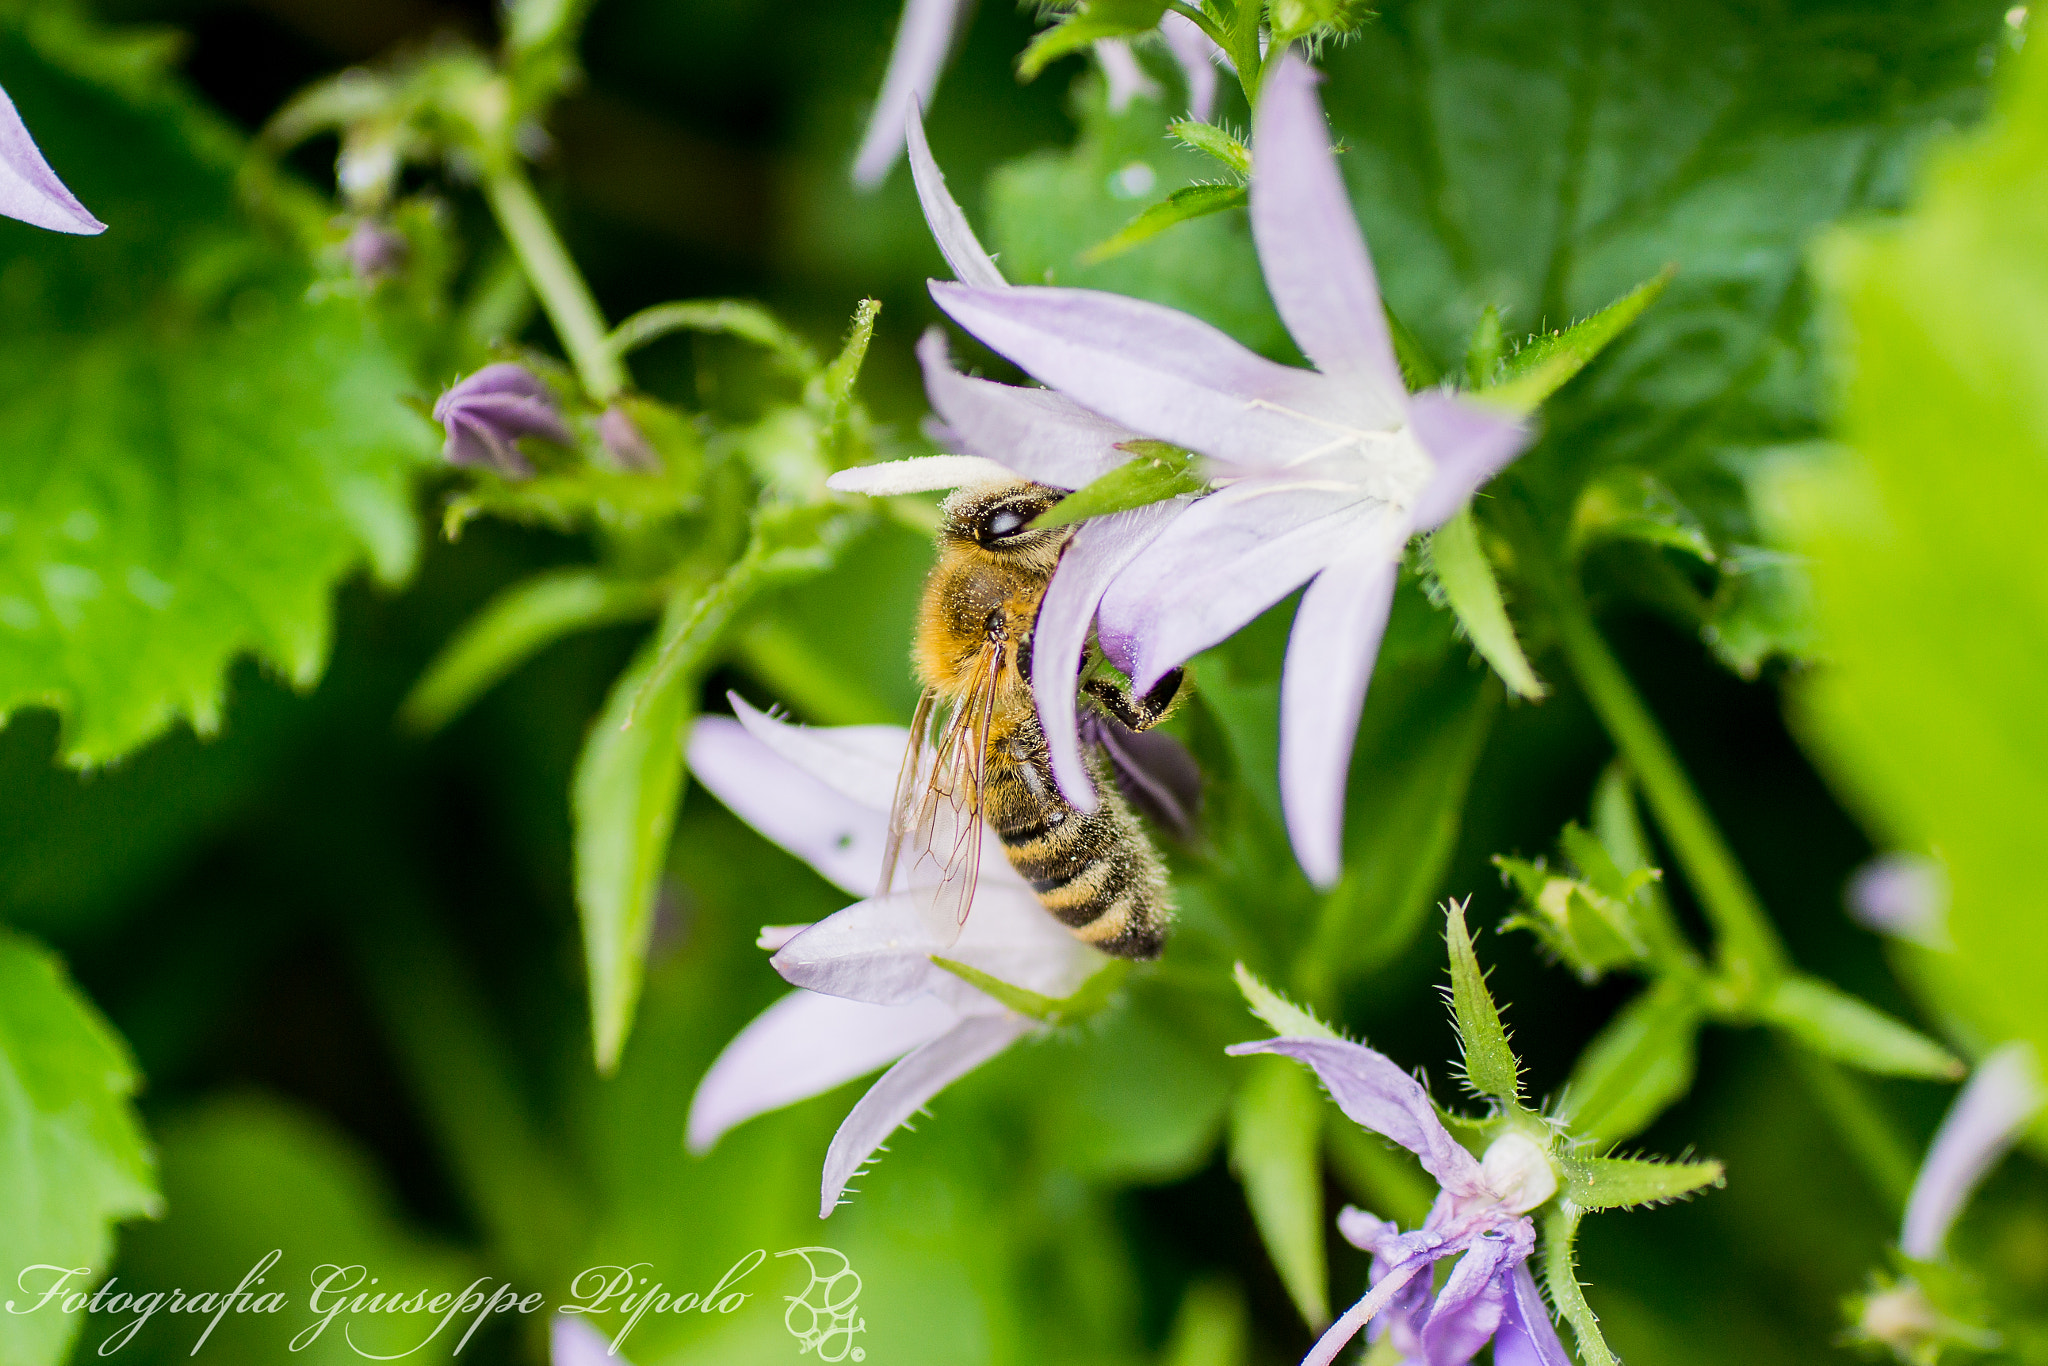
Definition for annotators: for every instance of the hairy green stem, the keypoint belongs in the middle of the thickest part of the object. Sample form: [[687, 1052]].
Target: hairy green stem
[[1560, 1271], [556, 280], [1748, 950]]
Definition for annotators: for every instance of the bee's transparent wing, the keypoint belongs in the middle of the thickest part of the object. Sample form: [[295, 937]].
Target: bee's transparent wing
[[936, 833], [910, 781]]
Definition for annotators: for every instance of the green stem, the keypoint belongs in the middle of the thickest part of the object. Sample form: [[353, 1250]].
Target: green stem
[[1243, 48], [1560, 1230], [1747, 947], [555, 278]]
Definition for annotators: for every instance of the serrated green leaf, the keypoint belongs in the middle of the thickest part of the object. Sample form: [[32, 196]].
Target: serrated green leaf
[[1093, 21], [1490, 1066], [1635, 505], [514, 626], [1837, 1025], [1188, 202], [1561, 1278], [1635, 1067], [1154, 473], [1212, 141], [194, 454], [76, 1160], [1086, 1001], [1281, 1015], [1474, 595], [623, 799], [1276, 1152], [1618, 1182], [1542, 365]]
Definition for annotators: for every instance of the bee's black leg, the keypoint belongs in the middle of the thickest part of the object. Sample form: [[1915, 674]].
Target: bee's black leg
[[1136, 713]]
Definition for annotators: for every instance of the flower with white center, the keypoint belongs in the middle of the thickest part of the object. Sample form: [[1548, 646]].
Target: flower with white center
[[1480, 1217], [870, 993], [29, 189], [486, 414], [925, 38], [1323, 474]]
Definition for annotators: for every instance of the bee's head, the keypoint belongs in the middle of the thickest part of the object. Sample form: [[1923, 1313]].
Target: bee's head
[[997, 519]]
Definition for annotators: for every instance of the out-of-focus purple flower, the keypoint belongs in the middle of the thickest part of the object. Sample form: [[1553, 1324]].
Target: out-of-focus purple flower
[[1197, 56], [29, 189], [573, 1342], [1990, 1113], [870, 993], [374, 251], [1480, 1217], [1904, 896], [925, 37], [1324, 474], [1021, 433], [486, 414], [627, 445]]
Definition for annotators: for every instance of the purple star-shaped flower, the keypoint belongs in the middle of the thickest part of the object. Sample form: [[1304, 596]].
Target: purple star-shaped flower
[[486, 414], [1480, 1217], [29, 189], [1322, 474]]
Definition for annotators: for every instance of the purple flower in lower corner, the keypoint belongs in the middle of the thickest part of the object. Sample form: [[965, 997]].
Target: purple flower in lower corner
[[29, 189], [486, 414], [1480, 1217], [869, 993], [1322, 475]]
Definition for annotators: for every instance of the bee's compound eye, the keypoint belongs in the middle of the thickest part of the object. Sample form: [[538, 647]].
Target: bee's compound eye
[[1008, 522]]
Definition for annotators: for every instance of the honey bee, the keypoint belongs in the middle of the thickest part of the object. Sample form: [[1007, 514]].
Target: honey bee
[[1097, 873]]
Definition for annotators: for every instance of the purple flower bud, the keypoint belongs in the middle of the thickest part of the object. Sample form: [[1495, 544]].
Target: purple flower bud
[[487, 413], [626, 443], [374, 251]]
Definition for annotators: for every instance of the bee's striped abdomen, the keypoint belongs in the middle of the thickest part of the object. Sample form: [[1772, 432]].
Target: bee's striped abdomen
[[1096, 873]]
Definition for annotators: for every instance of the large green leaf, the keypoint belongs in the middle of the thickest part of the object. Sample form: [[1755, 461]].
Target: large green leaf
[[1930, 571], [72, 1156], [191, 452]]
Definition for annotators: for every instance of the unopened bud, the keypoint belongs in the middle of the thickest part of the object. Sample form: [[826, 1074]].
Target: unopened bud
[[486, 414], [623, 440], [1517, 1169], [374, 251]]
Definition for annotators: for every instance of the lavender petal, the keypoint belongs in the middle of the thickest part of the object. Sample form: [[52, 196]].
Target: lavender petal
[[1171, 376], [1993, 1110], [1378, 1095], [859, 762], [1226, 559], [843, 839], [1469, 443], [1043, 436], [1126, 79], [905, 1089], [924, 38], [1154, 771], [1904, 896], [957, 242], [919, 474], [1526, 1336], [29, 189], [573, 1342], [1310, 249], [1330, 654], [1468, 1308], [1099, 551], [1197, 56], [802, 1046]]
